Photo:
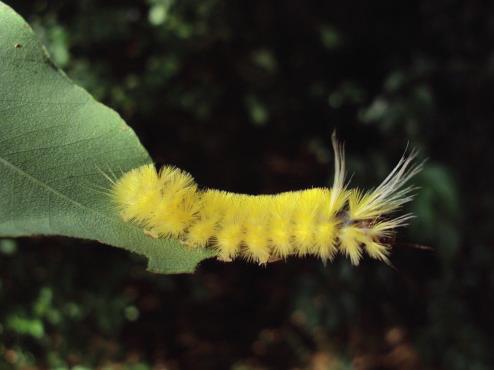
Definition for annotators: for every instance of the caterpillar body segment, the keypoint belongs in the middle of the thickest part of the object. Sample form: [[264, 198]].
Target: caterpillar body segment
[[264, 228]]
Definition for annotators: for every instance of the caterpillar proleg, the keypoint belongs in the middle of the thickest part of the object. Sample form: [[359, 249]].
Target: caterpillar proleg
[[263, 228]]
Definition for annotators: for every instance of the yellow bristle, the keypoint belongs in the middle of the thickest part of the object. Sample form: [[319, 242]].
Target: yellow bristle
[[349, 237], [173, 179], [136, 193], [280, 233], [303, 233], [172, 222], [177, 205], [386, 228], [324, 240], [177, 215], [377, 251], [303, 224], [201, 232], [229, 239], [356, 201], [143, 207], [389, 195], [214, 203], [280, 237], [339, 173], [339, 203], [256, 232], [257, 247]]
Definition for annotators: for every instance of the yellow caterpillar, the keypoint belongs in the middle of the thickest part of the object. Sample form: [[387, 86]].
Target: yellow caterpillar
[[264, 228]]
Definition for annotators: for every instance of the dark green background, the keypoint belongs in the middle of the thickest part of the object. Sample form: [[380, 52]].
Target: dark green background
[[244, 95]]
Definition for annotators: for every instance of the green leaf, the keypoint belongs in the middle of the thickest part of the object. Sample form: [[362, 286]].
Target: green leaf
[[55, 140]]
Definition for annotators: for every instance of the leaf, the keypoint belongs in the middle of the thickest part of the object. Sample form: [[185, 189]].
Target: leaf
[[54, 138]]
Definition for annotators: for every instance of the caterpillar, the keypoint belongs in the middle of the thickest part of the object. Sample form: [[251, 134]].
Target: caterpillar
[[263, 228]]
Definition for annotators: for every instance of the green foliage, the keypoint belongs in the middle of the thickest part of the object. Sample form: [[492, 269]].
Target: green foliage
[[56, 143]]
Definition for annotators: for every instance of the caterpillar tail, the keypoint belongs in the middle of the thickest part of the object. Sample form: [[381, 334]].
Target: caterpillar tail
[[263, 228]]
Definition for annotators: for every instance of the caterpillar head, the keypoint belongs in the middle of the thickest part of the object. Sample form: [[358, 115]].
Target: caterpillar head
[[164, 202], [136, 192]]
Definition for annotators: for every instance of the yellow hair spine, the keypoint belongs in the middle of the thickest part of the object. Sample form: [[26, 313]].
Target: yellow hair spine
[[264, 228]]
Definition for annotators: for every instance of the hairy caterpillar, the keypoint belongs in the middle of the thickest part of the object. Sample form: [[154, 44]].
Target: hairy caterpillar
[[263, 228]]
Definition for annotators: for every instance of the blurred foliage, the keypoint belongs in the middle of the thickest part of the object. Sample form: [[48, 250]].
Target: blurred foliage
[[244, 95]]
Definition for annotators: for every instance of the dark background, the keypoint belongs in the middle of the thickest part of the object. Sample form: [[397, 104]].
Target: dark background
[[244, 95]]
